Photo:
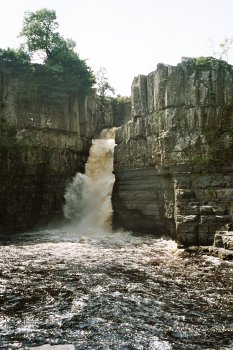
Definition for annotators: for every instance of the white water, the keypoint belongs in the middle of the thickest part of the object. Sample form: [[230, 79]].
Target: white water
[[88, 197]]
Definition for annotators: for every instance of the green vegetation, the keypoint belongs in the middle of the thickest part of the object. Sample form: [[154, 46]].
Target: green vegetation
[[202, 160], [122, 99], [105, 94], [225, 47], [61, 72], [14, 61], [103, 90], [203, 62], [103, 85]]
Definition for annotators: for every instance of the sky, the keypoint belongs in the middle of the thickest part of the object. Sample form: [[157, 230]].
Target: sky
[[129, 37]]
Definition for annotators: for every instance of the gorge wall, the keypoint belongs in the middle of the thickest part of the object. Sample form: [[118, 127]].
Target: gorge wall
[[42, 146], [44, 141], [173, 159]]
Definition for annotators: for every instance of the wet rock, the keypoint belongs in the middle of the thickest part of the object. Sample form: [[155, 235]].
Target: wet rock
[[218, 239], [224, 239], [179, 335], [193, 249], [206, 210], [225, 254], [223, 245]]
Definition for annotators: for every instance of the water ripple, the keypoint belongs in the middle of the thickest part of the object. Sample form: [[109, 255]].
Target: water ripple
[[112, 291]]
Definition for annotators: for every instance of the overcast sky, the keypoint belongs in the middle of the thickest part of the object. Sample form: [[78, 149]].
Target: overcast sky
[[129, 37]]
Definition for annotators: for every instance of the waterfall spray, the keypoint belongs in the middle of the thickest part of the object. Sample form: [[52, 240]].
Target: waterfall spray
[[88, 197]]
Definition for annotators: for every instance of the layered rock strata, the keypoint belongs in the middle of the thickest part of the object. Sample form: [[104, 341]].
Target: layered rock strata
[[113, 113], [42, 146], [173, 159]]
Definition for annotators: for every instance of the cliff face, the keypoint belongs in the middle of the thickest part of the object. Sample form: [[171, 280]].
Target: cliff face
[[173, 159], [114, 113], [42, 146]]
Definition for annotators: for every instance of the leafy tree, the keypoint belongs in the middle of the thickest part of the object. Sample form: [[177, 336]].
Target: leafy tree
[[63, 70], [72, 72], [39, 29]]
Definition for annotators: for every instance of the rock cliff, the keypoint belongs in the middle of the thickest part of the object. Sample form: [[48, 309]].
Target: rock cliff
[[173, 159], [113, 113], [42, 146]]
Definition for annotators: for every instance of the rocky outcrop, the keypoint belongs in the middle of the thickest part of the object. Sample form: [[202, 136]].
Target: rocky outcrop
[[22, 107], [173, 159], [42, 146], [224, 239], [222, 246], [112, 112]]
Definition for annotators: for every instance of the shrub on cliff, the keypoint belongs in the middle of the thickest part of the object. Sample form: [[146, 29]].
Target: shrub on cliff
[[14, 61]]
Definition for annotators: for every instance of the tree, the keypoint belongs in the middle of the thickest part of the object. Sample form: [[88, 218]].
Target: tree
[[103, 99], [225, 47], [63, 70], [103, 86], [39, 29], [74, 74], [220, 50]]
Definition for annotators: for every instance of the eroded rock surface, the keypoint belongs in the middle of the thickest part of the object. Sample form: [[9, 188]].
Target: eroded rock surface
[[173, 159]]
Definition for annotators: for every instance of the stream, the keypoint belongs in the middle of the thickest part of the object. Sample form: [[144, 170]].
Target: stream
[[112, 291]]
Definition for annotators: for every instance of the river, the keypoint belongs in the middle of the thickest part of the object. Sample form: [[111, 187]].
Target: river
[[84, 285], [115, 291]]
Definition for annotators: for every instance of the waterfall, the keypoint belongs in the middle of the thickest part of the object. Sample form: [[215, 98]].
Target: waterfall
[[88, 197]]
